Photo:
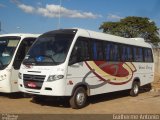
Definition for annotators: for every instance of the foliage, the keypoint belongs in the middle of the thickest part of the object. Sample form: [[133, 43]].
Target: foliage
[[131, 27]]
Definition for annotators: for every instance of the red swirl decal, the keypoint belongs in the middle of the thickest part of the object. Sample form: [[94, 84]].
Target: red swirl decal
[[116, 73]]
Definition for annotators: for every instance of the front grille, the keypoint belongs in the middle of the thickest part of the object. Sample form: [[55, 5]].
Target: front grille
[[33, 81]]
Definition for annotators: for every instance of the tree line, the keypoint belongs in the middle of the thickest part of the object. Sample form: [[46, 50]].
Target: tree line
[[131, 27]]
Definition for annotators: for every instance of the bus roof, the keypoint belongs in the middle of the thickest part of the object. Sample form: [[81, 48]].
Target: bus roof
[[20, 35]]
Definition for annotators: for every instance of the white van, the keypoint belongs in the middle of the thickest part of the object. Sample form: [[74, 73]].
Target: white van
[[13, 48], [80, 63]]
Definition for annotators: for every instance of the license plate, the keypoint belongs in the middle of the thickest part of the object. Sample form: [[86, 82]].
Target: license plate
[[31, 84]]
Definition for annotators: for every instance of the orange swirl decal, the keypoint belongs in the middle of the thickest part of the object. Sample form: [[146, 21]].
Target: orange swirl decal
[[116, 73]]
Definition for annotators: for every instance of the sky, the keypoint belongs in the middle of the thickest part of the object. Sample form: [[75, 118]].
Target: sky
[[39, 16]]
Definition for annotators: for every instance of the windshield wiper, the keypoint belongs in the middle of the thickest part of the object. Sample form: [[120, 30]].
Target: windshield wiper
[[29, 61]]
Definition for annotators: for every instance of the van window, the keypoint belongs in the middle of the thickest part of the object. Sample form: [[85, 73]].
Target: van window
[[7, 48], [112, 52], [148, 55], [81, 51], [97, 48], [22, 50], [49, 49], [138, 54], [126, 53]]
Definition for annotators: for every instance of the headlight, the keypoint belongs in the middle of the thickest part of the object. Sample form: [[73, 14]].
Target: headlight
[[20, 75], [54, 77]]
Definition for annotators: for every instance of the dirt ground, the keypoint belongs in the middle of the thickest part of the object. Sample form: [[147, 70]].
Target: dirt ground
[[110, 103], [16, 107], [118, 102]]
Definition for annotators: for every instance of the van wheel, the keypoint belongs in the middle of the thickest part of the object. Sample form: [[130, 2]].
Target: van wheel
[[26, 95], [37, 99], [148, 87], [79, 98], [135, 89]]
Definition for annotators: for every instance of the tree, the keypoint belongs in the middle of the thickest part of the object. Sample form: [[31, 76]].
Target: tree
[[131, 27]]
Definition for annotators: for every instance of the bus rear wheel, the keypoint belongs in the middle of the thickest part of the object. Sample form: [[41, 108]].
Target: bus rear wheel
[[135, 89], [79, 98]]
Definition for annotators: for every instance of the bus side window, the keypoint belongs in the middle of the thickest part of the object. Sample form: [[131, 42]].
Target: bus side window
[[138, 54], [107, 48], [114, 53], [129, 53], [148, 55], [97, 48], [22, 50], [126, 53], [80, 51]]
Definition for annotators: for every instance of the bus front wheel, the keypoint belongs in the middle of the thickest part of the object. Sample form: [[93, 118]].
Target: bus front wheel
[[79, 98], [37, 98]]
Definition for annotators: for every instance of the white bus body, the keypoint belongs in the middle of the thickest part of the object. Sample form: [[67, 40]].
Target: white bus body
[[94, 63], [13, 48]]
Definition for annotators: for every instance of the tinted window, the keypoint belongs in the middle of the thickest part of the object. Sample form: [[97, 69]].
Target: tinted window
[[112, 52], [93, 49], [126, 53], [138, 54], [80, 51], [148, 55], [97, 48], [22, 50], [83, 46]]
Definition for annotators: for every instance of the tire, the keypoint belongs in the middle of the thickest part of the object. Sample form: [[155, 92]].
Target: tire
[[135, 89], [26, 95], [79, 98], [37, 99], [148, 87]]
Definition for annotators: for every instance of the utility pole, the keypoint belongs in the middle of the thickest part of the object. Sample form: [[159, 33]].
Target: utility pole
[[0, 27], [59, 20]]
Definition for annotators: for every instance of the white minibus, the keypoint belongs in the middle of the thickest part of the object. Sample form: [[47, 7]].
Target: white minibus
[[13, 48], [78, 63]]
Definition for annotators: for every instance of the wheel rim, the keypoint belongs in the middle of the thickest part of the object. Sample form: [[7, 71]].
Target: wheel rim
[[136, 89], [80, 99]]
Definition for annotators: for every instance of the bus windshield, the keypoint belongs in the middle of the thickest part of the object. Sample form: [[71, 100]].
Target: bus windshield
[[49, 49], [7, 48]]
